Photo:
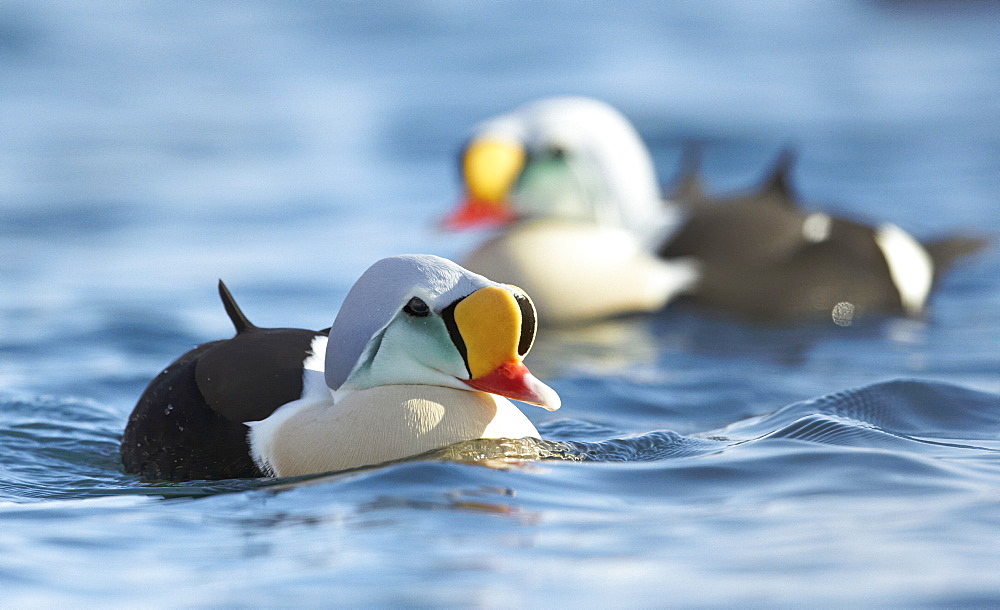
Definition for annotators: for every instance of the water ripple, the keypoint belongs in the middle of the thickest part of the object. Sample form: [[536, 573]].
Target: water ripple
[[53, 448]]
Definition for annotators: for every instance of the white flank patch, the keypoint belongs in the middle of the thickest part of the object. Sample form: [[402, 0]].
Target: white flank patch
[[910, 266], [314, 390], [262, 433], [679, 276], [316, 361], [816, 227]]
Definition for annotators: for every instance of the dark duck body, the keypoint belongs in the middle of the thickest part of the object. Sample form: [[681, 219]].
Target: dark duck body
[[189, 423], [766, 258]]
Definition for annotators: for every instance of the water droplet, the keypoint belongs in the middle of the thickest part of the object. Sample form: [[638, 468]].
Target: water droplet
[[843, 313]]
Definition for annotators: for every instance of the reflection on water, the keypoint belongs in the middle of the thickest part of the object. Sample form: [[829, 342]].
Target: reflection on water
[[644, 349], [501, 453], [481, 500], [598, 348]]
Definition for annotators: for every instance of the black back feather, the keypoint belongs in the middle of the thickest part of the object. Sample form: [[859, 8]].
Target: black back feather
[[778, 183], [689, 189]]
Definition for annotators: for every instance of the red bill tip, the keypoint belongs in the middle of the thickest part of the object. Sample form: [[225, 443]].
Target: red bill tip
[[513, 380], [473, 213]]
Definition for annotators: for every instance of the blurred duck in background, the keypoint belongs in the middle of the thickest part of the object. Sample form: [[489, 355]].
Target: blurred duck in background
[[584, 227]]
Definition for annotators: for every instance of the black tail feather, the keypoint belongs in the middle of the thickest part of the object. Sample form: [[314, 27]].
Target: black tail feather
[[945, 252], [236, 315]]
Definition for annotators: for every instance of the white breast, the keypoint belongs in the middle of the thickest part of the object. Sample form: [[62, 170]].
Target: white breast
[[576, 272], [379, 425]]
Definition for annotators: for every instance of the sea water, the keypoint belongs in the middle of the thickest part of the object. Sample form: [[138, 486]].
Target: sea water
[[148, 149]]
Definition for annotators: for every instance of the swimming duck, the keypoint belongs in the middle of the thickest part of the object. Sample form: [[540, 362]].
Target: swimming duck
[[584, 228], [422, 354], [581, 186]]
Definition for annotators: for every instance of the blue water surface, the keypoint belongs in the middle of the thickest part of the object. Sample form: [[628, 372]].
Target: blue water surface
[[149, 148]]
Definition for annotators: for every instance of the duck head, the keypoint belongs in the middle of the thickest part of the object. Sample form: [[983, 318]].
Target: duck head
[[567, 158], [421, 319]]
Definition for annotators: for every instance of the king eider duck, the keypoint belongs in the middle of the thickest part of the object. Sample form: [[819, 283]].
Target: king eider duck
[[573, 191], [583, 226], [422, 354], [765, 257]]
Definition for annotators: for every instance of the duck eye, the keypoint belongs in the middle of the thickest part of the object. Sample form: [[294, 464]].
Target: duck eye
[[557, 152], [417, 308]]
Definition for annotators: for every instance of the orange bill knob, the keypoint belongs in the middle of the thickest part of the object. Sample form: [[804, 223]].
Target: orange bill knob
[[490, 323], [490, 168]]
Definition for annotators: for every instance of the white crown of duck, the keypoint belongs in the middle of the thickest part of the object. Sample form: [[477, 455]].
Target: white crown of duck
[[579, 165], [572, 158], [424, 320]]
